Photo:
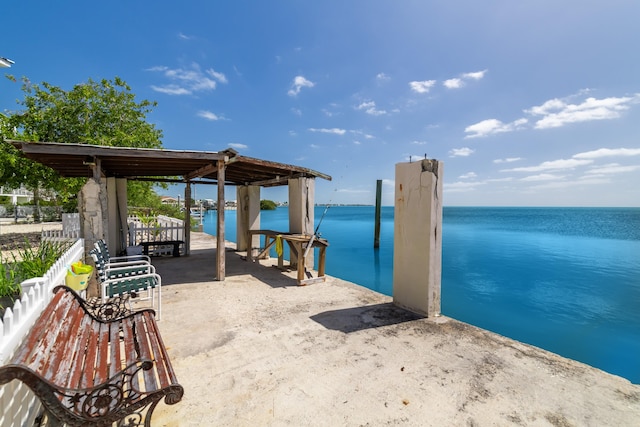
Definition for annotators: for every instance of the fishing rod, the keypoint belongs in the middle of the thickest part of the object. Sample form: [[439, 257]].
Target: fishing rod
[[315, 233]]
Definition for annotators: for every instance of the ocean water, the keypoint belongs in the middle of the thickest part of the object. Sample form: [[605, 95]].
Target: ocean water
[[563, 279]]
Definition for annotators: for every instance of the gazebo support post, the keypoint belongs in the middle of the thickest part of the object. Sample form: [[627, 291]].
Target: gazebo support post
[[187, 218], [248, 216], [301, 211], [220, 248]]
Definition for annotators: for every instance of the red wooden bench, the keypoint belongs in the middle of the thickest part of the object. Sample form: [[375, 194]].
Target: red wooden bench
[[93, 364]]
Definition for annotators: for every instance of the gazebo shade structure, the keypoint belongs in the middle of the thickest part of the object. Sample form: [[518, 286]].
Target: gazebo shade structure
[[223, 168], [78, 160]]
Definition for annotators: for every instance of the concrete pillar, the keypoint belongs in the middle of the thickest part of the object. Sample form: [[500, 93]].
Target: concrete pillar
[[92, 206], [112, 216], [123, 214], [301, 211], [247, 216], [417, 250]]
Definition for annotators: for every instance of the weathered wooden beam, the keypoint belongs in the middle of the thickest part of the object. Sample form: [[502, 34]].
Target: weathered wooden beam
[[220, 247], [200, 172], [99, 150]]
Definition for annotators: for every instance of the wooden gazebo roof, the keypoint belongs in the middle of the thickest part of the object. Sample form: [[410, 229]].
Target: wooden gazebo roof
[[77, 160]]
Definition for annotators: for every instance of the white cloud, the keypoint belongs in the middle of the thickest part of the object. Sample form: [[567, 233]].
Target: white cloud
[[461, 152], [422, 86], [370, 108], [461, 186], [298, 83], [608, 152], [296, 111], [382, 77], [612, 168], [364, 135], [218, 76], [209, 115], [188, 80], [557, 113], [453, 83], [476, 75], [419, 142], [183, 36], [581, 182], [561, 164], [469, 175], [314, 146], [238, 146], [458, 82], [493, 126], [334, 131], [542, 177], [356, 142], [507, 160], [171, 90]]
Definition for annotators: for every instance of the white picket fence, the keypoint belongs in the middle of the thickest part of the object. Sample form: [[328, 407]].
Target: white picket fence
[[19, 405], [156, 229]]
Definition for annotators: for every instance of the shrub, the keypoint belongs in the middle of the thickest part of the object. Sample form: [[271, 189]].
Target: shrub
[[32, 262], [9, 285], [267, 205]]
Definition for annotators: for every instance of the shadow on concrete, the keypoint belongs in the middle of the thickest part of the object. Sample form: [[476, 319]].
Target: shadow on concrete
[[360, 318], [200, 266]]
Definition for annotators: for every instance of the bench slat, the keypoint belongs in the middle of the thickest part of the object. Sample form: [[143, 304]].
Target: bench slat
[[115, 357], [79, 363], [145, 352], [54, 346], [165, 371], [60, 363], [130, 352], [102, 358], [37, 337]]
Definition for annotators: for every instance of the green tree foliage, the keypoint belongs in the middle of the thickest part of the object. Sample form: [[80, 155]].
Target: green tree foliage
[[267, 205], [97, 113]]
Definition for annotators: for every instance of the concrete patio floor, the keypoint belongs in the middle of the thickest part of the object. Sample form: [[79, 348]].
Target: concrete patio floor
[[257, 350]]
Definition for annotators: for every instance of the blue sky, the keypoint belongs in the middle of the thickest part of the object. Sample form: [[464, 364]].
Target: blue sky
[[527, 103]]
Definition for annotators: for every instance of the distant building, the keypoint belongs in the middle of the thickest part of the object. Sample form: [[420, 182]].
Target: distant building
[[168, 200], [17, 196]]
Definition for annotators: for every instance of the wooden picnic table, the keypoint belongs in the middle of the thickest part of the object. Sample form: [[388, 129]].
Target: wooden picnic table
[[297, 245]]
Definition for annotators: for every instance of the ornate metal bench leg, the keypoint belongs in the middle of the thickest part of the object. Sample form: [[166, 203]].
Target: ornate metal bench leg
[[147, 420], [51, 420], [141, 417]]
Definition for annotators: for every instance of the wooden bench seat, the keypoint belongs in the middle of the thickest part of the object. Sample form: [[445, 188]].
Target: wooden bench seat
[[176, 245], [94, 364]]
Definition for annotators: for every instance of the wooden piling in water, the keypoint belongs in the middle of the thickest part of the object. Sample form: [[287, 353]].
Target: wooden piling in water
[[376, 237]]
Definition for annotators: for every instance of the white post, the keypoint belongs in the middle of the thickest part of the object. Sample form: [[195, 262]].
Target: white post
[[417, 250], [301, 211], [247, 216]]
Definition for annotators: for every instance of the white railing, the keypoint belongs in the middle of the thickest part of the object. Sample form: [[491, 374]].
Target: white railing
[[60, 235], [20, 405], [156, 229]]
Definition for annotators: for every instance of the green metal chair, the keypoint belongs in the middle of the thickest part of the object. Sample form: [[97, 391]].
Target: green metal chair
[[138, 281]]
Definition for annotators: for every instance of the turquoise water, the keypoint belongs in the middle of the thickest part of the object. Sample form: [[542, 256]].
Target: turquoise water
[[564, 279]]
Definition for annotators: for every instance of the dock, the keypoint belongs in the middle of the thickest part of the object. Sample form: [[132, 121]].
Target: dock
[[258, 350]]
